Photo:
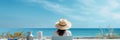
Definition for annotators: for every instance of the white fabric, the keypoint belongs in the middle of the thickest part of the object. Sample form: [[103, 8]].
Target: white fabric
[[67, 33], [40, 35]]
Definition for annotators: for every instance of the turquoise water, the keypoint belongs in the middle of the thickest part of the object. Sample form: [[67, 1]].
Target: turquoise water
[[50, 31]]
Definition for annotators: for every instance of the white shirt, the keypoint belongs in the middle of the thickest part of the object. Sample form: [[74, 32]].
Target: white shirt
[[67, 33]]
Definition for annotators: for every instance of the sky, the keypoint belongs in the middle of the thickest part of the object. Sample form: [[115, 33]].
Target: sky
[[45, 13]]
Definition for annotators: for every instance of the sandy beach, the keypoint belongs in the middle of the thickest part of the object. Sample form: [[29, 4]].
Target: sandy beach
[[74, 39]]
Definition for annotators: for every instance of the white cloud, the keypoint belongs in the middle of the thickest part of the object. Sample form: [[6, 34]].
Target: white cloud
[[113, 3], [87, 2], [101, 21], [116, 16], [90, 7], [58, 8], [55, 7], [78, 18], [106, 11]]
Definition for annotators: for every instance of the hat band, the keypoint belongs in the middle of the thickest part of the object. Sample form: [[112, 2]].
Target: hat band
[[62, 25]]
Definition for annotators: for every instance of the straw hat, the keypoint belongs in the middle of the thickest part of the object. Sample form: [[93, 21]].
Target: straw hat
[[63, 24]]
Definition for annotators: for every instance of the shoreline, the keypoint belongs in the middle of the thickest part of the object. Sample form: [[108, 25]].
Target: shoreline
[[74, 38]]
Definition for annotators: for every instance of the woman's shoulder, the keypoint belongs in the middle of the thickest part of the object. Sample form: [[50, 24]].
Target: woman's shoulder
[[68, 32]]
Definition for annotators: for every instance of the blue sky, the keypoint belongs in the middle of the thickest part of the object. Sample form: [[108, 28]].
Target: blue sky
[[45, 13]]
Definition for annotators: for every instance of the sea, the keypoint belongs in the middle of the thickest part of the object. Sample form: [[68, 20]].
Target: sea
[[82, 32]]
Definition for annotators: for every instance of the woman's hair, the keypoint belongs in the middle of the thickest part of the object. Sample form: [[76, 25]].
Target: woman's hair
[[60, 32]]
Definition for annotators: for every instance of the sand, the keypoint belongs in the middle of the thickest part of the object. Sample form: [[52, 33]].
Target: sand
[[77, 39]]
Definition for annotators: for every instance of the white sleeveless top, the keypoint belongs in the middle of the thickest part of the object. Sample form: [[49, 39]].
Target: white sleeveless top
[[67, 33]]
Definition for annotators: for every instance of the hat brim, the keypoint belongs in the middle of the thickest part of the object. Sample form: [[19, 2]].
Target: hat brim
[[68, 26]]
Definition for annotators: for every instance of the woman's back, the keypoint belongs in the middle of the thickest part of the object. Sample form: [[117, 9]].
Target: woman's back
[[66, 33]]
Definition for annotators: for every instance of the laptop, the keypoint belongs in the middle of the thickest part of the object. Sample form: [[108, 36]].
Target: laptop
[[62, 38]]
